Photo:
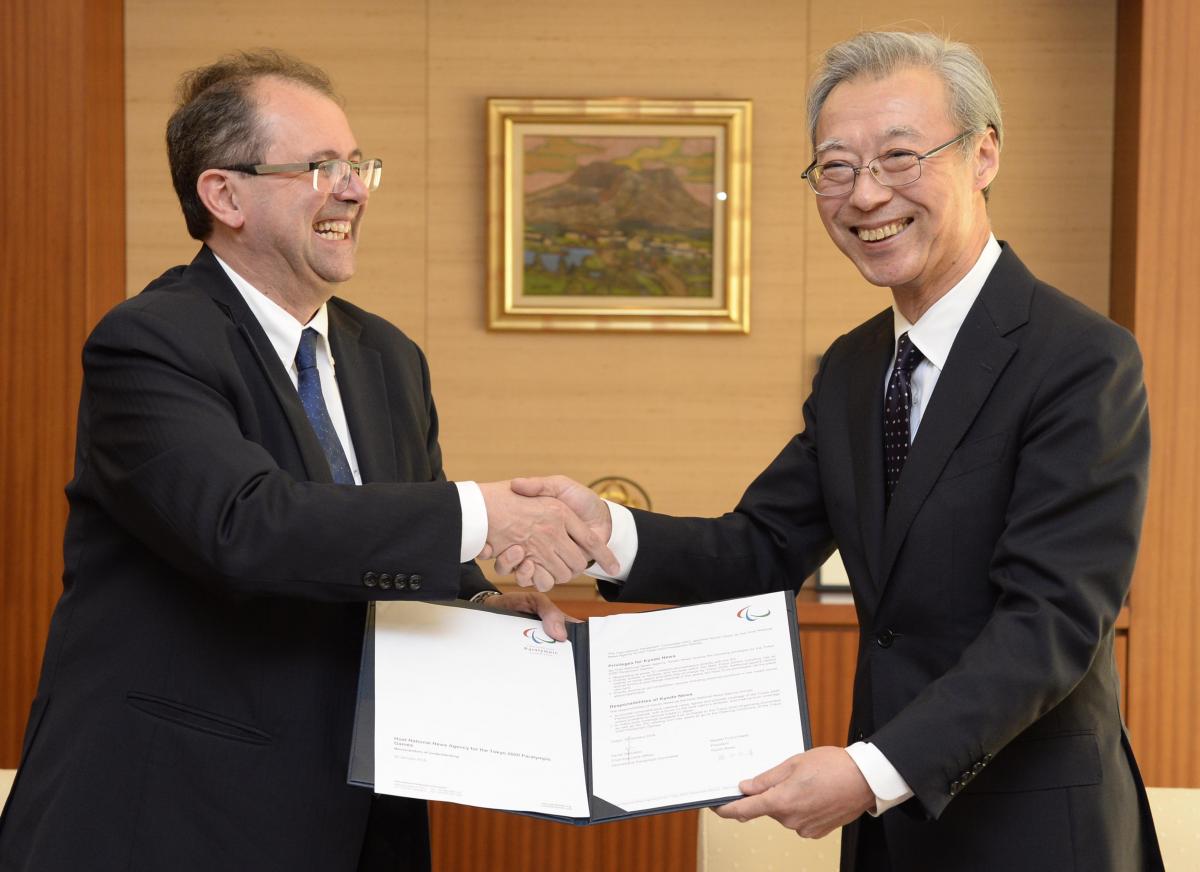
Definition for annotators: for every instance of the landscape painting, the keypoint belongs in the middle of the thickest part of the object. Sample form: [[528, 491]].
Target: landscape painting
[[618, 216], [621, 214]]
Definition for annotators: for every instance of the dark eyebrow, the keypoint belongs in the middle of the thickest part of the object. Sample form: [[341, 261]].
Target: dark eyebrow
[[330, 154]]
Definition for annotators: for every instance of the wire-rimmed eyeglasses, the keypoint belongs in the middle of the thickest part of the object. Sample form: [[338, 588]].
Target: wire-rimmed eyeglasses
[[893, 169], [328, 176]]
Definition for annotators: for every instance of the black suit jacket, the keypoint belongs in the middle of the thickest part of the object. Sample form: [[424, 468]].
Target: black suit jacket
[[196, 699], [986, 594]]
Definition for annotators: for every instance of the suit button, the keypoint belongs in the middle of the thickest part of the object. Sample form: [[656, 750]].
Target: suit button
[[401, 581], [987, 758], [885, 639], [385, 581], [955, 787], [370, 579], [977, 768], [414, 582]]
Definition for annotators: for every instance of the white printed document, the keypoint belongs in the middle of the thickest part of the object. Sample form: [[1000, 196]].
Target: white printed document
[[476, 707], [635, 714], [688, 702]]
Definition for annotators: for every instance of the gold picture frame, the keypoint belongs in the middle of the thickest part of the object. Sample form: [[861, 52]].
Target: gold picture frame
[[619, 214]]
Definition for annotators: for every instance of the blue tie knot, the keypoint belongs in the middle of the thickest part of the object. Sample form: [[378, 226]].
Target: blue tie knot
[[306, 353]]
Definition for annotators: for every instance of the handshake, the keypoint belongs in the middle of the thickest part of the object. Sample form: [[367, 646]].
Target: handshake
[[546, 530]]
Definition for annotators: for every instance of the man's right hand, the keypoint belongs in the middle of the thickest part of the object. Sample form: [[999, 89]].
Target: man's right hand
[[553, 542], [581, 500]]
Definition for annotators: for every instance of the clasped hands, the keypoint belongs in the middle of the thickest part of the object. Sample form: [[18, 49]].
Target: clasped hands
[[546, 531]]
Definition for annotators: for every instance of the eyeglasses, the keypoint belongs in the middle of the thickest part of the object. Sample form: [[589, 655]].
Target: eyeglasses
[[895, 169], [328, 176]]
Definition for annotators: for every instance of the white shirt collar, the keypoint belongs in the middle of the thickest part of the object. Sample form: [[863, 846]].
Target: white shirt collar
[[935, 330], [280, 326]]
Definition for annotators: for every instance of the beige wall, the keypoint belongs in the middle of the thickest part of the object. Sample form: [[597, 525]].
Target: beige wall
[[691, 418]]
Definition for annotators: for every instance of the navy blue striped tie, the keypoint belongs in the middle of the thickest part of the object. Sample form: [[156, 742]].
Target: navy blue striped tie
[[308, 383]]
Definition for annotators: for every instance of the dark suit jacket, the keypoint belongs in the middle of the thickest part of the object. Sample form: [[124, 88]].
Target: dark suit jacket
[[986, 595], [195, 704]]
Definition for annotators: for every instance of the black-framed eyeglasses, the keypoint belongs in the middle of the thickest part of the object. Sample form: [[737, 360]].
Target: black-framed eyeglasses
[[893, 169], [328, 176]]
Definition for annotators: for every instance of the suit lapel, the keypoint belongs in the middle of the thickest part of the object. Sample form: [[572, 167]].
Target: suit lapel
[[866, 445], [208, 274], [978, 356], [364, 398]]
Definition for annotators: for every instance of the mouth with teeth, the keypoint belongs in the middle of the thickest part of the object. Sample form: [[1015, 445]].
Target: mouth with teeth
[[333, 230], [887, 231]]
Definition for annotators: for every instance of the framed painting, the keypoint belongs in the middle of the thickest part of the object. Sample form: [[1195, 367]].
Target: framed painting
[[619, 214]]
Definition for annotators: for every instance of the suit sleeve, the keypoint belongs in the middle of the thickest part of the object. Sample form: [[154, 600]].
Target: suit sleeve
[[164, 453], [1060, 570], [773, 540]]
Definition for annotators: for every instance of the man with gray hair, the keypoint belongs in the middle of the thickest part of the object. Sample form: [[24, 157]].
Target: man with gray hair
[[978, 453]]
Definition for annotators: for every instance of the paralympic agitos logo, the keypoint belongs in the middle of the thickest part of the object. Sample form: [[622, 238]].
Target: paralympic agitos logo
[[533, 634], [748, 614]]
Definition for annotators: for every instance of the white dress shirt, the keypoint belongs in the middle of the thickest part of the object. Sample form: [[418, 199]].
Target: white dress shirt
[[933, 335], [283, 330]]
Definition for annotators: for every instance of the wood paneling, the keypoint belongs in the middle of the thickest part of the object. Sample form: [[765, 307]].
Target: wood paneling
[[478, 840], [62, 245], [1157, 216]]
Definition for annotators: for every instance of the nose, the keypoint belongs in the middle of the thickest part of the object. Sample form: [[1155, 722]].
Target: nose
[[868, 193], [356, 190]]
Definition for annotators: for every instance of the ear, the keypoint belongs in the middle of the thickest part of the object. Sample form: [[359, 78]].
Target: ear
[[987, 159], [218, 192]]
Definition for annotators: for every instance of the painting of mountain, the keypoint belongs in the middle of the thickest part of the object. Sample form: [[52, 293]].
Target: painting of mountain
[[618, 216]]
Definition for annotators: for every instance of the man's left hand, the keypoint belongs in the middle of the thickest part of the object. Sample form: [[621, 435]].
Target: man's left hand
[[554, 620], [812, 793]]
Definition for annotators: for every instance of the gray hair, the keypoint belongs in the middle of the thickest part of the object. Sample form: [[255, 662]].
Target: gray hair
[[973, 101]]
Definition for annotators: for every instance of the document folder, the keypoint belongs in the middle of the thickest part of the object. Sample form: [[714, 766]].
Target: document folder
[[362, 752]]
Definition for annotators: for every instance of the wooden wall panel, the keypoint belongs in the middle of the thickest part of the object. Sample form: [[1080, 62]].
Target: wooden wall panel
[[829, 642], [478, 840], [62, 251], [1158, 213]]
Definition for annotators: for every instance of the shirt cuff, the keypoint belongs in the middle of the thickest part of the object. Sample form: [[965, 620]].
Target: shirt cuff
[[622, 542], [885, 782], [474, 520]]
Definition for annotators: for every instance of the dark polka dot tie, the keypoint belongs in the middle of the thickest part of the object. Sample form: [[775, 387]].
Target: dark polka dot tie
[[308, 385], [897, 408]]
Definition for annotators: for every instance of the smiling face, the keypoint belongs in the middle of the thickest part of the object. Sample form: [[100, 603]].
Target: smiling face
[[294, 243], [919, 239]]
